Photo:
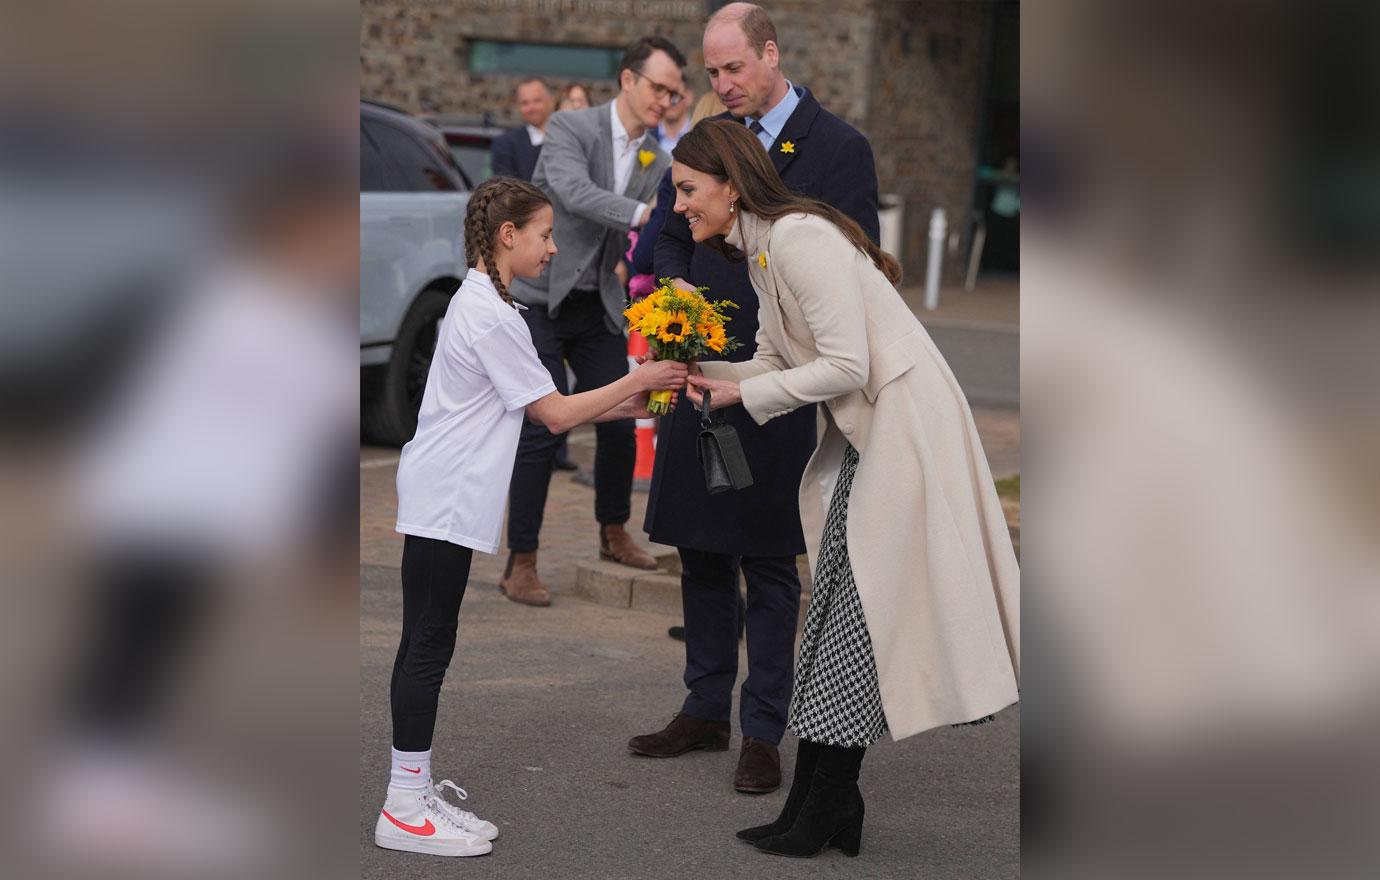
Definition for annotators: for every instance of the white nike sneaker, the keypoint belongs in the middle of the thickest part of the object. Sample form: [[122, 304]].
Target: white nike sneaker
[[417, 820], [464, 818]]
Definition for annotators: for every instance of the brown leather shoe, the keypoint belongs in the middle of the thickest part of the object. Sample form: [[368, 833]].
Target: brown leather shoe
[[685, 733], [759, 767], [520, 582], [617, 545]]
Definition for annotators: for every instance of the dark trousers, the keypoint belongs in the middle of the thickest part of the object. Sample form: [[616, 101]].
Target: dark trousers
[[434, 576], [597, 357], [709, 591]]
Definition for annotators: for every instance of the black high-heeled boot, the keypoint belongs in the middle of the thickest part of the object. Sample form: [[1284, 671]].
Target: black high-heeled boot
[[806, 757], [832, 814]]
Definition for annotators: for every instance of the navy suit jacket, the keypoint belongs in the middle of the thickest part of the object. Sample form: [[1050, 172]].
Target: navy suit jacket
[[831, 161], [644, 253], [513, 155]]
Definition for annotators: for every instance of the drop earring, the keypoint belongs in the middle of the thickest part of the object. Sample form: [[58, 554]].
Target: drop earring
[[732, 205]]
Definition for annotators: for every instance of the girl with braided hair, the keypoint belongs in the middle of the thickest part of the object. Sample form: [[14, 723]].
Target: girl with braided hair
[[453, 484]]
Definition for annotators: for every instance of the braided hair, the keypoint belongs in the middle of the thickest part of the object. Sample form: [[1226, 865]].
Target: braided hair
[[493, 203]]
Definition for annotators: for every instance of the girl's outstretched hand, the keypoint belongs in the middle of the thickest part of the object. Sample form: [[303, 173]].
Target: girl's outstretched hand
[[659, 375], [693, 365]]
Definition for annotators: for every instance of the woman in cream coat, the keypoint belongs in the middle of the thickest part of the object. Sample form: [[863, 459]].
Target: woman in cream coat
[[914, 618]]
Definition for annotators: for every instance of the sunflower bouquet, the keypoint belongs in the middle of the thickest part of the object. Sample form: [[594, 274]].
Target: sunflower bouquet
[[680, 325]]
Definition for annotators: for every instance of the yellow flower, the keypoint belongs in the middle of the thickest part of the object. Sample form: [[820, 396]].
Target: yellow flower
[[675, 329], [787, 147], [715, 339], [638, 310], [646, 157], [652, 323], [762, 259]]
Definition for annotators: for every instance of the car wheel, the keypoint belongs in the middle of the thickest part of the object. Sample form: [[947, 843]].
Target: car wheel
[[394, 393]]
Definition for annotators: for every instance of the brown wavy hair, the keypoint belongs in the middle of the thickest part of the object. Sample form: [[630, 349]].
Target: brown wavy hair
[[726, 150], [493, 203]]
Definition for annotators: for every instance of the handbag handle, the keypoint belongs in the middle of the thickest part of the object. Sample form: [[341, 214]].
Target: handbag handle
[[705, 419]]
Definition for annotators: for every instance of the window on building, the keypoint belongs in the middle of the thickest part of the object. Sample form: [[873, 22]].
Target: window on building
[[537, 59]]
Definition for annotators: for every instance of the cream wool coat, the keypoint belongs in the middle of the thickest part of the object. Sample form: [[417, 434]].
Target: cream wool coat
[[929, 545]]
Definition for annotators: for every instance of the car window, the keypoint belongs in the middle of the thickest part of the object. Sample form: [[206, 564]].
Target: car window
[[374, 174], [422, 170], [474, 159]]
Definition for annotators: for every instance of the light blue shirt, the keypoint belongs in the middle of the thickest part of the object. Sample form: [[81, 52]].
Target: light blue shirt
[[775, 119]]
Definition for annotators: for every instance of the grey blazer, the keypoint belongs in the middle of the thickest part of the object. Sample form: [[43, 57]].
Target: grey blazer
[[576, 171]]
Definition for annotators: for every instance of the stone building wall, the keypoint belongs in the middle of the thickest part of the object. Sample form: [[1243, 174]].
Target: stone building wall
[[908, 73], [928, 80]]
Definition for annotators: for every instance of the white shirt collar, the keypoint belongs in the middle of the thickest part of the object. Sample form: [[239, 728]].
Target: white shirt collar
[[535, 135], [620, 134], [775, 119]]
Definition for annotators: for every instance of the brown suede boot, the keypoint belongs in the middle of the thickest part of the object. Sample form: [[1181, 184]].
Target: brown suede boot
[[684, 734], [617, 545], [520, 582], [759, 767]]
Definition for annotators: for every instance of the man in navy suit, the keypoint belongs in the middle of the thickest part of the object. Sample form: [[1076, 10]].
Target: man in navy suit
[[756, 530], [514, 153]]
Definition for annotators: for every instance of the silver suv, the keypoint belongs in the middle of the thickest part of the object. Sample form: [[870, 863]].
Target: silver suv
[[411, 259]]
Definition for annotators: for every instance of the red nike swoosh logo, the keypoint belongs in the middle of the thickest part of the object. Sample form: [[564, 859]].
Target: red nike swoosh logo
[[423, 830], [410, 770]]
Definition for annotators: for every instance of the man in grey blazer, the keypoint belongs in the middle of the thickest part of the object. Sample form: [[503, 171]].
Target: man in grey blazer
[[601, 168]]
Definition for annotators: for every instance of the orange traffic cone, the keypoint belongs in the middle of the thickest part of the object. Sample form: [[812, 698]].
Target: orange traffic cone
[[646, 428]]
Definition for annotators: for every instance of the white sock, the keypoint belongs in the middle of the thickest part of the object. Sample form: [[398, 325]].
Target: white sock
[[411, 769]]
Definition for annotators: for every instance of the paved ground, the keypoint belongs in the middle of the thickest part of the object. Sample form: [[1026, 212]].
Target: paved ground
[[534, 717], [994, 302]]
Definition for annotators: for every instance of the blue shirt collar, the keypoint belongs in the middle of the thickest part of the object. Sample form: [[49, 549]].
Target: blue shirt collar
[[775, 119]]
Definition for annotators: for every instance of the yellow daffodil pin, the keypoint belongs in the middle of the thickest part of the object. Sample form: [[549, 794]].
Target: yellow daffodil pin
[[762, 259], [646, 157], [787, 147]]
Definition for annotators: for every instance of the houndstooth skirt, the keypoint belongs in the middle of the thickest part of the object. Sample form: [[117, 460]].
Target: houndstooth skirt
[[837, 701]]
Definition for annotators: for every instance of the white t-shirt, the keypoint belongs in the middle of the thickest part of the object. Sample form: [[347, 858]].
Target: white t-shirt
[[454, 474]]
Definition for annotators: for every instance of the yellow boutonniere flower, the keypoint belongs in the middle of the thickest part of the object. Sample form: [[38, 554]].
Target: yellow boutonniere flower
[[646, 157], [787, 147], [762, 259]]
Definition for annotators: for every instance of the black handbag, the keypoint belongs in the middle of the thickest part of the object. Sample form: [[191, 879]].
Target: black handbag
[[721, 453]]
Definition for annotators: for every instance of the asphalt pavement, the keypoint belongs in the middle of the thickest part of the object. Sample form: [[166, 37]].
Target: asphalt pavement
[[535, 715]]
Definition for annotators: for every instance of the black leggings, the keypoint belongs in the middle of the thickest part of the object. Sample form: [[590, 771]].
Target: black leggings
[[434, 575]]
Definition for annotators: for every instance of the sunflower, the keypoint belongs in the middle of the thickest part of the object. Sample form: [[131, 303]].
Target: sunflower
[[715, 338], [675, 329], [638, 310]]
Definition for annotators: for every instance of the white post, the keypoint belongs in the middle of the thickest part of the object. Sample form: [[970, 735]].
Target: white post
[[938, 232]]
